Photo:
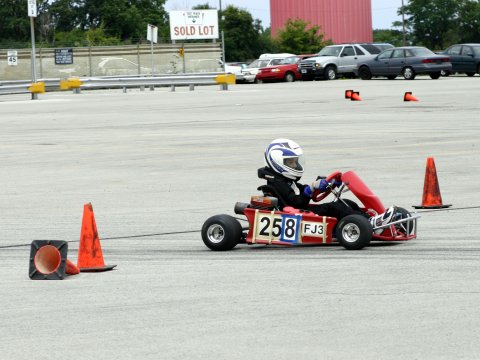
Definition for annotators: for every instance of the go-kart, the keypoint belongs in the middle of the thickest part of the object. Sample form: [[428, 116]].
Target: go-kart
[[267, 224]]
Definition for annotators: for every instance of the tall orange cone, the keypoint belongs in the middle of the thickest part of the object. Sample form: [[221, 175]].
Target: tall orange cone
[[90, 257], [355, 96], [409, 97], [431, 190], [348, 94]]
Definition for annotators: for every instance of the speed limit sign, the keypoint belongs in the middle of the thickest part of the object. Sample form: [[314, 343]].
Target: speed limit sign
[[12, 58]]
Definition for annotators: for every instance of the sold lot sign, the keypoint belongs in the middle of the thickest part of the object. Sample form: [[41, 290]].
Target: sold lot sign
[[193, 24]]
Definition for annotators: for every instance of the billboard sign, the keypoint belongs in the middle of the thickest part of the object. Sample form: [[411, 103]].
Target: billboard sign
[[193, 24]]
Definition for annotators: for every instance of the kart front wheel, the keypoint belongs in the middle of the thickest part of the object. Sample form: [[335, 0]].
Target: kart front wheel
[[402, 213], [221, 232], [354, 232]]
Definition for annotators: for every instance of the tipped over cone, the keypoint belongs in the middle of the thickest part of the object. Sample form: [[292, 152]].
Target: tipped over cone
[[348, 94], [431, 190], [90, 256], [355, 96], [409, 97], [48, 260]]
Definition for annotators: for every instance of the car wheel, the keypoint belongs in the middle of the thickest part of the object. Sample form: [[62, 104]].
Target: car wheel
[[391, 77], [330, 73], [408, 73], [478, 69], [402, 213], [445, 73], [221, 232], [364, 73], [435, 75], [354, 232], [470, 74], [289, 77]]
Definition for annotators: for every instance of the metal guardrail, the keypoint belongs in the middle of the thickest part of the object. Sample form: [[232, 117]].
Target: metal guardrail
[[110, 82]]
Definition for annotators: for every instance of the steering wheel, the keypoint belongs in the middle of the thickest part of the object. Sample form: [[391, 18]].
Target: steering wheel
[[319, 196]]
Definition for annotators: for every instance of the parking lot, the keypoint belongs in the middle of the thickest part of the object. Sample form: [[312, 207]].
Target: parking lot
[[156, 164]]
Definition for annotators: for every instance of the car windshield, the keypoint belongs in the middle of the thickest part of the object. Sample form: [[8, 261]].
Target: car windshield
[[290, 60], [476, 50], [421, 52], [330, 51]]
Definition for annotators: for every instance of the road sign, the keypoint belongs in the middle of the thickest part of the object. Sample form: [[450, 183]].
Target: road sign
[[12, 58], [32, 8], [152, 32]]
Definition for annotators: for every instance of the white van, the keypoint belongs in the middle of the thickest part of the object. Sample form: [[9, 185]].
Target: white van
[[251, 71]]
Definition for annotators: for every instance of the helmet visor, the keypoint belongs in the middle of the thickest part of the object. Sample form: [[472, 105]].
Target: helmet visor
[[293, 162]]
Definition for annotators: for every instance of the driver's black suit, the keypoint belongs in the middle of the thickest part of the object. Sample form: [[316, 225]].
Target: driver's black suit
[[291, 193]]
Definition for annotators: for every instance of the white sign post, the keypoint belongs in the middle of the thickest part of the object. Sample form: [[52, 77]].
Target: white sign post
[[193, 24], [12, 58], [152, 33], [32, 13]]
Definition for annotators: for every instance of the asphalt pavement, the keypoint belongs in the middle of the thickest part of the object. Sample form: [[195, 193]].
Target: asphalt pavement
[[156, 164]]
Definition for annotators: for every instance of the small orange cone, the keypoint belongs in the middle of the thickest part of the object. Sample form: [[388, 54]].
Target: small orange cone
[[48, 260], [355, 96], [348, 94], [90, 257], [431, 190], [409, 97]]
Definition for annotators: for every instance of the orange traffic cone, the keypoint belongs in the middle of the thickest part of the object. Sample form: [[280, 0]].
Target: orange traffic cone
[[348, 94], [48, 260], [90, 257], [431, 191], [409, 97], [355, 96]]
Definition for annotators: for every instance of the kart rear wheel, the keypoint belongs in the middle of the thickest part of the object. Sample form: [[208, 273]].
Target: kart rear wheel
[[402, 213], [354, 232], [221, 232]]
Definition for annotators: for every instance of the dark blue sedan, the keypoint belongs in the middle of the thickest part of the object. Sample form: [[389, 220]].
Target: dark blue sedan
[[465, 58], [408, 61]]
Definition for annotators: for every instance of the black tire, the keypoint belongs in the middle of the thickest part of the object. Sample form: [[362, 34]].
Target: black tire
[[445, 73], [435, 75], [364, 73], [221, 232], [408, 73], [478, 69], [354, 232], [470, 74], [289, 77], [402, 213], [391, 77], [330, 73]]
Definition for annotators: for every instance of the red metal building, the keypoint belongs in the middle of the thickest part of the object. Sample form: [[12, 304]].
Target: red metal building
[[342, 21]]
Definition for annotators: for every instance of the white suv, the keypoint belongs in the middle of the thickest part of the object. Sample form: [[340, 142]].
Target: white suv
[[335, 59]]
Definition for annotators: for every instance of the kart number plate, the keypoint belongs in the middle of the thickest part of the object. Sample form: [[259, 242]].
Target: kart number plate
[[277, 227]]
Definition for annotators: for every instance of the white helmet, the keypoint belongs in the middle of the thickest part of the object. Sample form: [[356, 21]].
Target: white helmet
[[285, 157]]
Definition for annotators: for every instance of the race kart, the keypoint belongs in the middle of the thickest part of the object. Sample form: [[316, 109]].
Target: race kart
[[268, 224]]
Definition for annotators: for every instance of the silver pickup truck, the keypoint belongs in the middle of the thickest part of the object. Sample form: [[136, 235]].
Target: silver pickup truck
[[337, 59]]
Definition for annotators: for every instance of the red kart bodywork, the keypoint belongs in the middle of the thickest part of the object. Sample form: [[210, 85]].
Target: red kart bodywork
[[294, 227]]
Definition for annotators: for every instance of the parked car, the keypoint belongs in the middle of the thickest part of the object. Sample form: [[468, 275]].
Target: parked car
[[465, 58], [235, 69], [250, 73], [335, 59], [287, 70], [407, 61]]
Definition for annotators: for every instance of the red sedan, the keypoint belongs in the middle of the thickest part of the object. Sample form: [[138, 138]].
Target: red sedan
[[285, 71]]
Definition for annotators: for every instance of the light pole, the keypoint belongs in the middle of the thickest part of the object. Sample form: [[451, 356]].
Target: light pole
[[223, 39], [403, 25]]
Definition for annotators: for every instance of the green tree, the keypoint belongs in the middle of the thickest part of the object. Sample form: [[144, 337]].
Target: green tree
[[242, 34], [434, 22], [298, 37], [394, 37], [469, 21]]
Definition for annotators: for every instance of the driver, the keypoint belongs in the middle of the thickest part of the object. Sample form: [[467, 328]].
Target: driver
[[284, 168]]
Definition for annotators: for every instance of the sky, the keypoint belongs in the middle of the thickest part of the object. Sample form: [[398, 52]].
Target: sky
[[384, 12]]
